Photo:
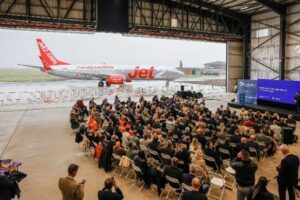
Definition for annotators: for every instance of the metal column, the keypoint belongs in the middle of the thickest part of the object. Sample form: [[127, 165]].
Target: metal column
[[282, 47], [246, 50]]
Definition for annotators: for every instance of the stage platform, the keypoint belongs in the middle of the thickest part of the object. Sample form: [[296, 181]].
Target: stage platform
[[263, 108]]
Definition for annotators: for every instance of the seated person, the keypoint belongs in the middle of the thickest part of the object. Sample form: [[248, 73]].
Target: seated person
[[141, 162], [242, 145], [173, 171], [132, 151], [227, 147], [211, 152], [155, 173], [118, 149], [195, 193], [188, 177]]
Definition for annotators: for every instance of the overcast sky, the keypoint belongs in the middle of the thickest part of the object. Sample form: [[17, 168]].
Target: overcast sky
[[19, 47]]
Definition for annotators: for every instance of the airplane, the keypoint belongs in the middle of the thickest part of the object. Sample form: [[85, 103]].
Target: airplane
[[109, 74]]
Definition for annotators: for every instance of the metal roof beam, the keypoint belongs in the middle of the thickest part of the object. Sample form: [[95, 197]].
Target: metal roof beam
[[221, 10], [276, 7]]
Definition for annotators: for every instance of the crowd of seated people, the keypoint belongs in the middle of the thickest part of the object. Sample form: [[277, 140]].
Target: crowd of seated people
[[171, 136]]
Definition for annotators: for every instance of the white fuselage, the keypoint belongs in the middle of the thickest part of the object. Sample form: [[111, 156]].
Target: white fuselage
[[104, 71]]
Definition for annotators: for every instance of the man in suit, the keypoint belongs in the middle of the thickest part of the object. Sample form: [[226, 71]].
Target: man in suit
[[69, 188], [7, 188], [107, 194], [195, 193], [287, 173]]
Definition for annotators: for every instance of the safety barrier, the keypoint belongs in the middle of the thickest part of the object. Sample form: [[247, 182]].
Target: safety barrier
[[70, 95]]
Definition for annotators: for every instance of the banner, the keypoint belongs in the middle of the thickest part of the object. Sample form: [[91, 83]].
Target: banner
[[247, 91]]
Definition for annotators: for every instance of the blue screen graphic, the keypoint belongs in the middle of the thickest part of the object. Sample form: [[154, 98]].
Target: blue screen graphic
[[249, 89], [277, 91]]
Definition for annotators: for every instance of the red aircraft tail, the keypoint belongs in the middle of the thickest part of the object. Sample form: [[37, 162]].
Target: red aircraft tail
[[47, 57]]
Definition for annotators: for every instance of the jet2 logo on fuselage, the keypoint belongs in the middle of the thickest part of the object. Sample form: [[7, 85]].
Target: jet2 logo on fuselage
[[142, 73]]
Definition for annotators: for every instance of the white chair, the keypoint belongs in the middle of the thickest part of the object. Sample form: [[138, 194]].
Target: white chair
[[217, 182], [229, 177]]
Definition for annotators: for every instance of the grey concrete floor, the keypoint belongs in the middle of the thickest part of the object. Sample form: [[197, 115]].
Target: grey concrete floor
[[42, 141]]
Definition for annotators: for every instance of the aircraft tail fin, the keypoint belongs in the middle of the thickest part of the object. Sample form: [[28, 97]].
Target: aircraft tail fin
[[47, 57]]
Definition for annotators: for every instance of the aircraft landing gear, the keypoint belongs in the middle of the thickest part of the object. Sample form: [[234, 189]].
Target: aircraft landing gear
[[107, 84], [101, 84]]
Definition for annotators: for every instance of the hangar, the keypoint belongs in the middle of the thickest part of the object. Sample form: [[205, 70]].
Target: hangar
[[263, 42], [262, 36]]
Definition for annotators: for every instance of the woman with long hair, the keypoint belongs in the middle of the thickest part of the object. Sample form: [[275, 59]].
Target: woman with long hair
[[259, 191]]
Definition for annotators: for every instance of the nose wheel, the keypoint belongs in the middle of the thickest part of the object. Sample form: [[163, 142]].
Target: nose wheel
[[167, 83]]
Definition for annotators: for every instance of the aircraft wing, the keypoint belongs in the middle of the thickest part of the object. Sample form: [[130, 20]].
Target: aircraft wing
[[32, 66]]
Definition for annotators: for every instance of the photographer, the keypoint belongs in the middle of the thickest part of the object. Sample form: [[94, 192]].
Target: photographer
[[107, 194]]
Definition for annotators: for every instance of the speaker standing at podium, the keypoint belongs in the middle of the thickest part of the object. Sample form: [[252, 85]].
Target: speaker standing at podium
[[297, 101]]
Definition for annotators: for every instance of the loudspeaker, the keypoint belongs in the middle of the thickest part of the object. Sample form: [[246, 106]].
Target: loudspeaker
[[112, 16], [182, 87]]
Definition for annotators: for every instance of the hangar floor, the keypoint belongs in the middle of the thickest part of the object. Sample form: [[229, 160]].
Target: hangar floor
[[42, 141]]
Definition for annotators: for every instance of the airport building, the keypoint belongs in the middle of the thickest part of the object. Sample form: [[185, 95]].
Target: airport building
[[133, 135]]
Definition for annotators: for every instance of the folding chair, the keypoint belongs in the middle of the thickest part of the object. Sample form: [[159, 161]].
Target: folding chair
[[229, 177], [154, 154], [138, 175], [116, 162], [216, 182], [224, 153], [253, 153], [171, 182], [184, 188], [166, 159], [211, 162]]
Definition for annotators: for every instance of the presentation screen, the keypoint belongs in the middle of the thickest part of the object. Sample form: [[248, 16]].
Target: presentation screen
[[249, 89], [277, 91]]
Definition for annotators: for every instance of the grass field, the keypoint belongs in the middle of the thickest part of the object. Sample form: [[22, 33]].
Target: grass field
[[7, 75]]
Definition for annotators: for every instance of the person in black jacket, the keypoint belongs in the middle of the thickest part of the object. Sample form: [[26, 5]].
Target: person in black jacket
[[244, 173], [211, 152], [173, 171], [107, 194], [195, 193], [297, 101], [259, 191], [7, 188], [287, 173]]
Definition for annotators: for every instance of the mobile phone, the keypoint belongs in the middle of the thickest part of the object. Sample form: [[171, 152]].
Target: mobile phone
[[82, 182]]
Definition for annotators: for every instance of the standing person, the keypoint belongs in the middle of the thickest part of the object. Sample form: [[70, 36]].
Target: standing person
[[297, 101], [107, 194], [287, 173], [69, 188], [245, 170], [259, 191], [195, 193], [7, 188]]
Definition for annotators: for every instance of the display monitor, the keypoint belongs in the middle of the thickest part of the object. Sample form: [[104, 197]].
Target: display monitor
[[277, 91]]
